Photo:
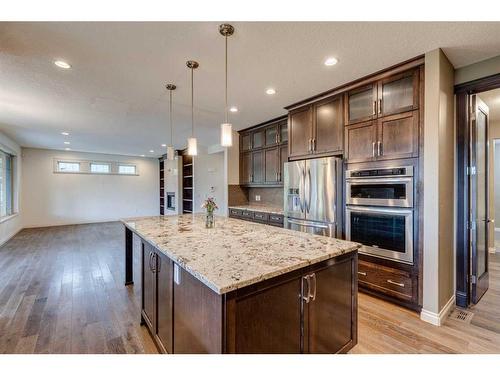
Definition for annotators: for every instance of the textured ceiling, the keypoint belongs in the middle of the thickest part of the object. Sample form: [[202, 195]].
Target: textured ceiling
[[113, 99]]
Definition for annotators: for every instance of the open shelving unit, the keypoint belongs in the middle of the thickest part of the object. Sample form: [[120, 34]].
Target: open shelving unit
[[187, 183], [162, 186]]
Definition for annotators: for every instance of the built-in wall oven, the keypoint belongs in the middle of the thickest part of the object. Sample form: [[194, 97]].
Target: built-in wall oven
[[379, 211]]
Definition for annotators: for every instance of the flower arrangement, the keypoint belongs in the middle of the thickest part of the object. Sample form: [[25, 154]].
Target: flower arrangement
[[210, 205]]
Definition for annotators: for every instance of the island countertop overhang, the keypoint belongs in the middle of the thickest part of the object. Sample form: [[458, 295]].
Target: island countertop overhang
[[235, 253]]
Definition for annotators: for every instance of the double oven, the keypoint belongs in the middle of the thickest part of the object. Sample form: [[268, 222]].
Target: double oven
[[380, 211]]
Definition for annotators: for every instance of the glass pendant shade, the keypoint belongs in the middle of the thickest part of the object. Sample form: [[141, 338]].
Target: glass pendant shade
[[192, 147], [226, 136], [170, 153]]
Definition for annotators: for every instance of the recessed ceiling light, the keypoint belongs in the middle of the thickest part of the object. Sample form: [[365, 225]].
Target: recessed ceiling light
[[270, 91], [151, 150], [67, 143], [67, 149], [233, 109], [62, 64], [65, 133], [331, 61], [142, 156], [163, 145]]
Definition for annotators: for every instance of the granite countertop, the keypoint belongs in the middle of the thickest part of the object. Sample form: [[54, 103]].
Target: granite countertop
[[260, 208], [235, 253]]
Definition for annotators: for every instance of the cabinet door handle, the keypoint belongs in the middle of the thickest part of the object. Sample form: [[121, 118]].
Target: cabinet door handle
[[310, 145], [158, 263], [361, 273], [379, 106], [395, 283], [276, 140], [276, 176], [306, 295], [313, 284], [379, 148], [314, 144], [373, 149], [374, 108], [153, 261], [150, 263]]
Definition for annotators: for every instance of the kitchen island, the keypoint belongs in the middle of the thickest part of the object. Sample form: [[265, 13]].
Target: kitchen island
[[243, 287]]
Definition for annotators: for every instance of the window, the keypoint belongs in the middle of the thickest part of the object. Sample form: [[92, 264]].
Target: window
[[100, 168], [6, 184], [65, 166], [126, 169]]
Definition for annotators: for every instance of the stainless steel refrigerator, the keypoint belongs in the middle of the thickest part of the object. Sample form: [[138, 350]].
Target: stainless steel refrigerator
[[313, 196]]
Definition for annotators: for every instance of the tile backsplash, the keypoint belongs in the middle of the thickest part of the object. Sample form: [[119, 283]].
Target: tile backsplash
[[268, 196]]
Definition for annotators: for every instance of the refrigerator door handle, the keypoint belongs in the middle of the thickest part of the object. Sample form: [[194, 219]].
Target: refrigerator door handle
[[307, 189], [301, 191]]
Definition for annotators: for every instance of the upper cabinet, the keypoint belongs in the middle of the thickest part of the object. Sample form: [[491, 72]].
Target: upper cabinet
[[316, 129], [361, 104], [263, 150], [398, 94]]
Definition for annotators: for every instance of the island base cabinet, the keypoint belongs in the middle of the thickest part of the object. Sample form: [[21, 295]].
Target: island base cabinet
[[148, 314], [310, 311], [329, 313]]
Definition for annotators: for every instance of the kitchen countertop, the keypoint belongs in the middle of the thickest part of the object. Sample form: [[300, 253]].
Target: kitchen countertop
[[235, 253], [260, 208]]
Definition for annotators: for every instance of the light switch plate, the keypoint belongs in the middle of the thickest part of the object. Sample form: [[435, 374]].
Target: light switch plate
[[257, 198]]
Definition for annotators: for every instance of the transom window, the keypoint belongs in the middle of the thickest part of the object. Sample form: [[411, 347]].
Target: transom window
[[126, 169], [95, 167], [65, 166], [100, 168]]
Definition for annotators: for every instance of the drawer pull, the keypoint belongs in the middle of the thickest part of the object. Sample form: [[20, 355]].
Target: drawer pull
[[361, 273], [395, 283]]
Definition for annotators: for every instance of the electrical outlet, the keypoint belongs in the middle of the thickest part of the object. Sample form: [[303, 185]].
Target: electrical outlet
[[257, 198]]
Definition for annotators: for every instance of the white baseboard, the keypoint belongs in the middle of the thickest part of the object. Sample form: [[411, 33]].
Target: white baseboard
[[438, 319], [10, 237]]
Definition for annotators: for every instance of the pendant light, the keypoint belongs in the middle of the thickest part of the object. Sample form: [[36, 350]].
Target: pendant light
[[192, 144], [170, 149], [226, 129]]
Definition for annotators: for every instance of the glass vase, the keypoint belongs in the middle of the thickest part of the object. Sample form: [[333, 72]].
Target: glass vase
[[209, 222]]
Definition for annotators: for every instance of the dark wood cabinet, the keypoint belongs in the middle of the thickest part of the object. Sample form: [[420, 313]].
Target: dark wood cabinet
[[272, 164], [257, 216], [398, 136], [361, 104], [398, 93], [329, 329], [361, 142], [300, 134], [246, 168], [149, 286], [317, 129], [164, 328], [328, 126], [261, 161], [316, 308]]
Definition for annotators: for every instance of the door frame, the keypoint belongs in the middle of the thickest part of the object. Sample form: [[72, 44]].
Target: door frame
[[462, 101]]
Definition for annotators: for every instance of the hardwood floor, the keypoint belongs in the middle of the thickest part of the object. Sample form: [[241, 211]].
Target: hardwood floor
[[61, 291]]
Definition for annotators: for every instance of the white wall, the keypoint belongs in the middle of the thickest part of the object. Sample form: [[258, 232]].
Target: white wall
[[50, 198], [209, 181], [9, 226], [477, 70]]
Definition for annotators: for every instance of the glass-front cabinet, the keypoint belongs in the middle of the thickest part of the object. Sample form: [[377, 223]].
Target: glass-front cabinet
[[361, 104]]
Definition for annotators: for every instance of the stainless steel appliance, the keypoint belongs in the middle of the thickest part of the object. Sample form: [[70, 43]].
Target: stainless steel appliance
[[379, 211], [387, 187], [313, 196]]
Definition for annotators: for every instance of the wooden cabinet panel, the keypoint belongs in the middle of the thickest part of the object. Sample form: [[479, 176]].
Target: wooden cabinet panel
[[197, 316], [148, 286], [257, 139], [246, 168], [271, 135], [256, 317], [272, 161], [328, 126], [284, 132], [361, 142], [331, 312], [395, 283], [283, 160], [398, 93], [300, 132], [257, 167], [398, 136], [165, 299], [246, 142], [361, 104]]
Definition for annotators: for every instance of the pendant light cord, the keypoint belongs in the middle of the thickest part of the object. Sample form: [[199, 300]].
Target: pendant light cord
[[225, 98], [171, 123], [192, 104]]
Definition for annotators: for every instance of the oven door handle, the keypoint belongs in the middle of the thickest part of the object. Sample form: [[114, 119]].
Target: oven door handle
[[398, 211], [367, 181]]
